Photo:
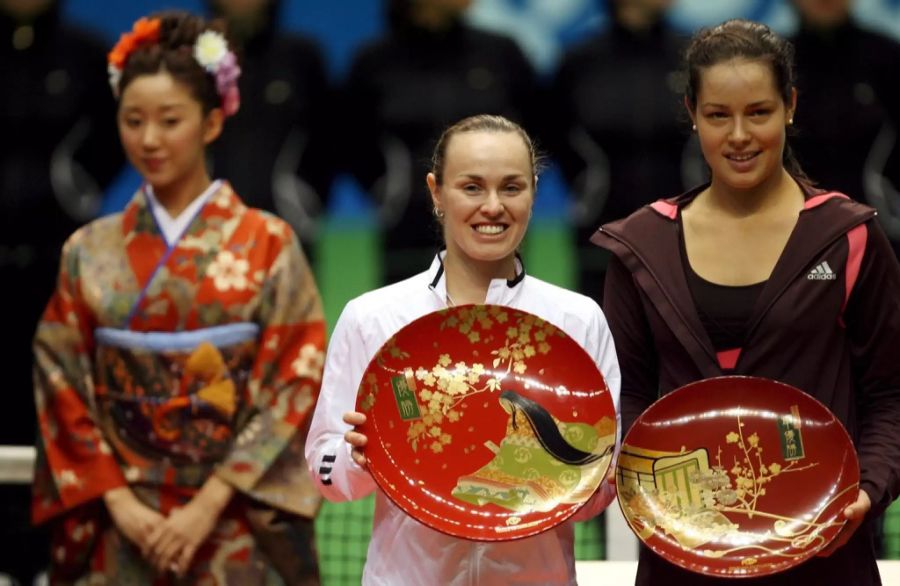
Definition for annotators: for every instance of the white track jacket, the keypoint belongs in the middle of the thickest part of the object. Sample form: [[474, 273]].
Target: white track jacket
[[403, 551]]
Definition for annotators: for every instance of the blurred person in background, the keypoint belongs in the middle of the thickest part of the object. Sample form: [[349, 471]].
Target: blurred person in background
[[427, 71], [848, 77], [59, 152], [178, 362], [273, 151], [615, 125]]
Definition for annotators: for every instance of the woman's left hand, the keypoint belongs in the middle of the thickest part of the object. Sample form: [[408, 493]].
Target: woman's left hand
[[854, 514], [171, 547]]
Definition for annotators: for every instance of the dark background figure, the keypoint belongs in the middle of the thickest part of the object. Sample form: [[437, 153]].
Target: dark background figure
[[59, 151], [617, 127], [847, 128], [273, 151], [427, 71]]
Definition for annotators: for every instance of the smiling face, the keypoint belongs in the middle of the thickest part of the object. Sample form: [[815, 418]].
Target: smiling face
[[486, 195], [741, 119], [164, 132]]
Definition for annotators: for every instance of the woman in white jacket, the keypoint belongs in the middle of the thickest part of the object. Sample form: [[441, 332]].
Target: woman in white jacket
[[482, 185]]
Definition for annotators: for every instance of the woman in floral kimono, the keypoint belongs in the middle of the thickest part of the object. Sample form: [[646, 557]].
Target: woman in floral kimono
[[180, 357]]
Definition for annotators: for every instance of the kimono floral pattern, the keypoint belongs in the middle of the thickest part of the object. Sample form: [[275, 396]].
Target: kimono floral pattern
[[233, 265]]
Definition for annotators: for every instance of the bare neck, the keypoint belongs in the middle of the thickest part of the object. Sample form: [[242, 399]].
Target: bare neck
[[774, 194], [468, 281]]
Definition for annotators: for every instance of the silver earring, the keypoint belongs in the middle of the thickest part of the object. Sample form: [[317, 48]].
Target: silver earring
[[694, 128], [438, 213]]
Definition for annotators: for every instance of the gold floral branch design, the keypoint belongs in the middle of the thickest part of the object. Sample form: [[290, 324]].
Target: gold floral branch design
[[750, 473], [390, 349], [739, 490], [446, 385], [809, 532]]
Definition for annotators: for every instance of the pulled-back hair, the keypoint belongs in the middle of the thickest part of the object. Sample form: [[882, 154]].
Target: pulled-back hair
[[739, 39], [481, 123], [173, 54]]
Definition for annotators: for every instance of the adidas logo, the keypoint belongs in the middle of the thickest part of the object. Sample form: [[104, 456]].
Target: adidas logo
[[822, 272]]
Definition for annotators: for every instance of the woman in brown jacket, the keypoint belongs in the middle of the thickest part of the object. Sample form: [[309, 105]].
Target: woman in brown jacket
[[759, 273]]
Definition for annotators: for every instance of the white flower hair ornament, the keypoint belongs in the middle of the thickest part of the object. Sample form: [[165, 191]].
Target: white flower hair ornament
[[212, 53]]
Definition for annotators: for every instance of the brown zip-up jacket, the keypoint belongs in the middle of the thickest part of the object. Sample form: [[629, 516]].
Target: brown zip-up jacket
[[827, 321]]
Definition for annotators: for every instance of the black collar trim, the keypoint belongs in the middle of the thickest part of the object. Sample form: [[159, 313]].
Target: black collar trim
[[509, 282]]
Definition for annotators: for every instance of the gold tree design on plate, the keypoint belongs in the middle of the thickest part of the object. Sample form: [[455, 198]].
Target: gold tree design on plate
[[738, 490], [447, 384], [749, 475]]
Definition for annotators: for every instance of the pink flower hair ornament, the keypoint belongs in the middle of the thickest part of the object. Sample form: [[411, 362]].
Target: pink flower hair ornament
[[210, 51]]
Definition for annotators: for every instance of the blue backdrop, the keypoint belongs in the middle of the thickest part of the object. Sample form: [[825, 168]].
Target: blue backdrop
[[542, 27]]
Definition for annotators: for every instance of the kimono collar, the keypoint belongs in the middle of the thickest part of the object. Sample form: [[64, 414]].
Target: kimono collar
[[173, 228], [500, 291], [139, 213]]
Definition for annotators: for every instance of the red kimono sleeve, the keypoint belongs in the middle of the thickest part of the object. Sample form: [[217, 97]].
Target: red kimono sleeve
[[74, 462], [283, 387]]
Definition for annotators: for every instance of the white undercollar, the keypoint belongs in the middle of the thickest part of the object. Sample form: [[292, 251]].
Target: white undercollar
[[173, 228]]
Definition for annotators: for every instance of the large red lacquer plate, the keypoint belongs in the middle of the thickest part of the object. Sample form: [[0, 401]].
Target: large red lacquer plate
[[486, 422], [737, 476]]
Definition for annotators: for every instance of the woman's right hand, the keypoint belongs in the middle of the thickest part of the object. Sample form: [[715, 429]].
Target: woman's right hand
[[356, 440], [132, 517]]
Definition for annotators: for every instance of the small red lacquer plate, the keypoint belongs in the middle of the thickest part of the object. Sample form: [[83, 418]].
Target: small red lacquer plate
[[737, 476], [486, 422]]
